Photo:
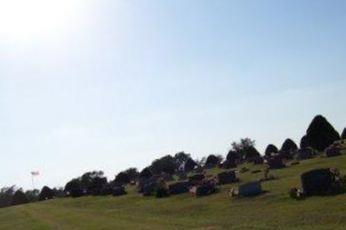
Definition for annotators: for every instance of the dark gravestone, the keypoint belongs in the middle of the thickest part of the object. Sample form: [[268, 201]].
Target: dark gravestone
[[146, 186], [318, 182], [333, 151], [275, 162], [250, 189], [304, 154], [258, 160], [118, 191], [149, 188], [206, 188], [196, 179], [226, 177], [178, 188]]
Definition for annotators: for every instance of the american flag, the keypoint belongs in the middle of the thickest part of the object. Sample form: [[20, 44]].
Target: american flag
[[35, 173]]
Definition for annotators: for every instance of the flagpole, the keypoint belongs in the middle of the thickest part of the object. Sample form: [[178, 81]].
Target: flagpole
[[32, 181]]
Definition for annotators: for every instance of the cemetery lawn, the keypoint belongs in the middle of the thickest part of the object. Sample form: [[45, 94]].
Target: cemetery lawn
[[272, 210]]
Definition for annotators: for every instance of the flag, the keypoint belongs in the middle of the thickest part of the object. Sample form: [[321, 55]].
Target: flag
[[35, 173]]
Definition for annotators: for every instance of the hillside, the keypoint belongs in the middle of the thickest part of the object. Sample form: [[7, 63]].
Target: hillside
[[273, 210]]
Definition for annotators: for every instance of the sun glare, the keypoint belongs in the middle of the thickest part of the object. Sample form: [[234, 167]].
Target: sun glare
[[23, 19]]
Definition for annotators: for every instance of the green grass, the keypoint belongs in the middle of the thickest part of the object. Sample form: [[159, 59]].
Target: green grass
[[273, 210]]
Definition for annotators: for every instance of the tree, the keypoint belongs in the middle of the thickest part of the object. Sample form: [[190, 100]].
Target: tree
[[122, 178], [251, 153], [180, 159], [132, 173], [212, 161], [46, 194], [164, 164], [19, 198], [190, 164], [201, 162], [343, 135], [289, 145], [145, 173], [271, 149], [74, 188], [233, 156], [6, 194], [93, 182], [304, 142], [320, 133], [245, 149], [32, 195], [288, 148], [59, 192]]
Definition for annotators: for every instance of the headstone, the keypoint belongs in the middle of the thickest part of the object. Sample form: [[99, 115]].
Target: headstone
[[250, 189], [318, 182], [178, 188], [146, 186], [118, 191], [258, 160], [206, 188], [275, 162], [226, 177], [333, 151], [304, 154]]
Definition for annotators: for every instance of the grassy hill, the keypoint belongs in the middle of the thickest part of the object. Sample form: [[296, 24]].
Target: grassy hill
[[273, 210]]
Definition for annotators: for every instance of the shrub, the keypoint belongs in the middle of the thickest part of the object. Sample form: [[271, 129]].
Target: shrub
[[212, 161], [288, 148], [46, 194], [271, 149], [19, 198], [343, 135], [73, 188], [320, 133]]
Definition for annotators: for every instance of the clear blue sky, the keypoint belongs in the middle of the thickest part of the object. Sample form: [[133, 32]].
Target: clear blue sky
[[111, 84]]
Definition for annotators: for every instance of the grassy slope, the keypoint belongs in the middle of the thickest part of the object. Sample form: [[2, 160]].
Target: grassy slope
[[273, 210]]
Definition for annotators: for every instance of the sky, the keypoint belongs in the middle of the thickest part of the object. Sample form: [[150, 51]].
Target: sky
[[111, 84]]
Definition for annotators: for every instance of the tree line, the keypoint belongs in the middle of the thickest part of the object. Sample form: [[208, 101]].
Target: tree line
[[319, 135]]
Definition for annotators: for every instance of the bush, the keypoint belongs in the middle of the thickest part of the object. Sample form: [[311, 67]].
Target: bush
[[73, 188], [288, 148], [343, 135], [145, 173], [178, 188], [271, 149], [46, 194], [212, 161], [19, 198], [206, 188], [320, 133]]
